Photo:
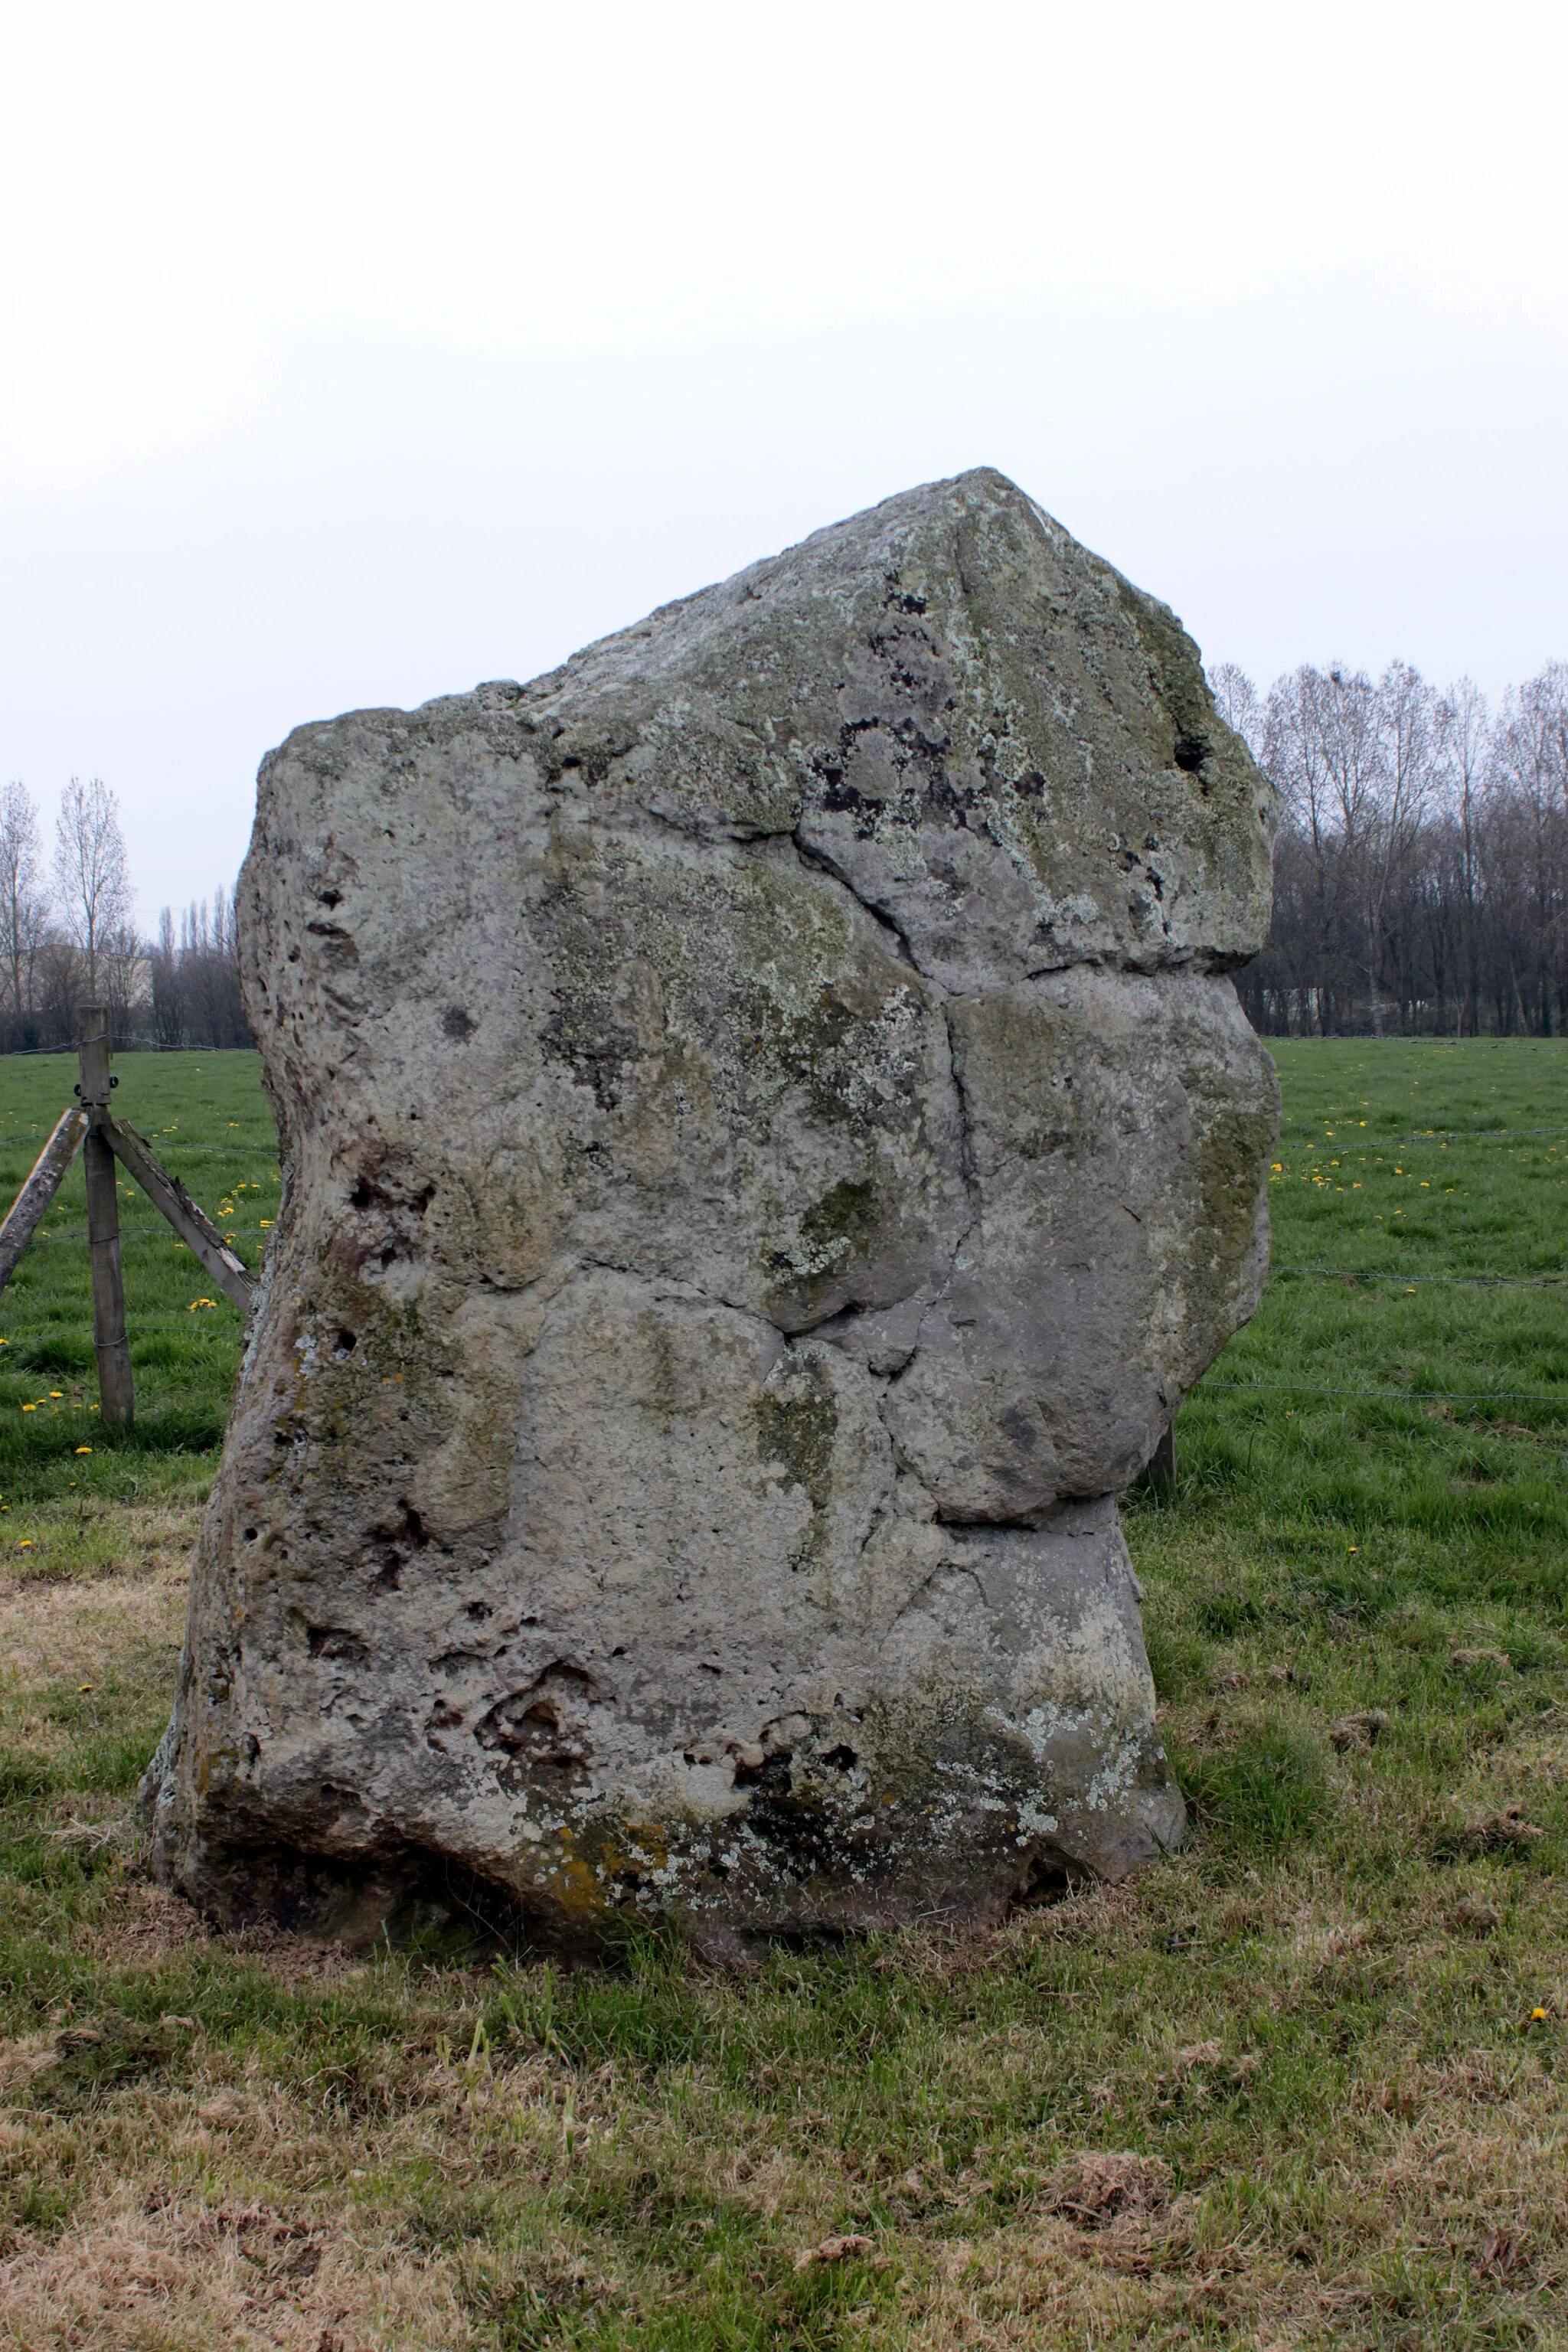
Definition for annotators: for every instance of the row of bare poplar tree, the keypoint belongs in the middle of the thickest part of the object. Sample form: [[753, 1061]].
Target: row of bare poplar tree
[[1421, 881], [68, 937]]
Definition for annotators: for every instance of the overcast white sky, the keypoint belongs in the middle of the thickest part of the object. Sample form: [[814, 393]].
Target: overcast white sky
[[352, 354]]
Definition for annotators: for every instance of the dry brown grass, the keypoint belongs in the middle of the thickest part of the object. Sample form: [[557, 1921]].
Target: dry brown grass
[[141, 2272], [1261, 2098]]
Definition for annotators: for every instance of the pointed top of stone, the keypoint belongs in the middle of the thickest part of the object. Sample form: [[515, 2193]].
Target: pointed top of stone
[[1009, 752]]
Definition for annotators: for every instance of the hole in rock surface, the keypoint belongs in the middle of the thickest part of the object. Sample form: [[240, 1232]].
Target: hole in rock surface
[[391, 1543], [336, 1641], [543, 1727], [1049, 1878]]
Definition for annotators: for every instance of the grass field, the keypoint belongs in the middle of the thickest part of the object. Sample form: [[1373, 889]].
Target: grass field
[[1297, 2086]]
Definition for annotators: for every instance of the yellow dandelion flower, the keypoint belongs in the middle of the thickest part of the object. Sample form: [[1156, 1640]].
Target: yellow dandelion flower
[[84, 1449], [83, 1688], [29, 1408], [1538, 2017]]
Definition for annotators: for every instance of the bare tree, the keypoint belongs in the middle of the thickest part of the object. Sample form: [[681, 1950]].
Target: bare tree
[[1321, 748], [122, 974], [168, 995], [1239, 704], [24, 902], [1422, 866], [195, 976], [91, 876], [1400, 786], [59, 987], [1464, 730], [1528, 793]]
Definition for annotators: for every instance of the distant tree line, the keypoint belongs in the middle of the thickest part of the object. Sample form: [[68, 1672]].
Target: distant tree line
[[68, 937], [1420, 884], [1421, 881]]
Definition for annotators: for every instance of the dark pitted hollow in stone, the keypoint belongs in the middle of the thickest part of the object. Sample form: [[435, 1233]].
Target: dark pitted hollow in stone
[[769, 1139]]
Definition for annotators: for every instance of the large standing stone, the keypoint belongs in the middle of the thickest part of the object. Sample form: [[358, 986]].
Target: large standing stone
[[769, 1141]]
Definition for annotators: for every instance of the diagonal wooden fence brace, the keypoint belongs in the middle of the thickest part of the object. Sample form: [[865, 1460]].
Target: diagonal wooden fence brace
[[167, 1194], [39, 1189]]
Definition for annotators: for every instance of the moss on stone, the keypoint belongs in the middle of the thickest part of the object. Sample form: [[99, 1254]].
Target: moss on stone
[[797, 1424]]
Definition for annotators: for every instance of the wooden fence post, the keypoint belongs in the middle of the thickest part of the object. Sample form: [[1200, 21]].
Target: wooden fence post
[[116, 1397]]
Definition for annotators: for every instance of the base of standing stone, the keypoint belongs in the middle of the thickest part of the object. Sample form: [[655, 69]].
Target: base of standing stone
[[989, 1741]]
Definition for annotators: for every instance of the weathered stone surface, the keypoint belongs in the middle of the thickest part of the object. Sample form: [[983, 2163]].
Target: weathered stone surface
[[769, 1142], [1116, 1128]]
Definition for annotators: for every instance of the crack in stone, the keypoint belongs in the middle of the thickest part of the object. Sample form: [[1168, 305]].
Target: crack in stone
[[817, 861]]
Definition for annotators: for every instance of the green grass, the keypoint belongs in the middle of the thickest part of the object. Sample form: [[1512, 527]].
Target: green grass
[[1287, 2089], [1390, 1440]]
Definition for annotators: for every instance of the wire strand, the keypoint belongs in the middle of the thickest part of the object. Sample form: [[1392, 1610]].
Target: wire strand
[[1445, 1135], [1398, 1396], [1369, 1274]]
